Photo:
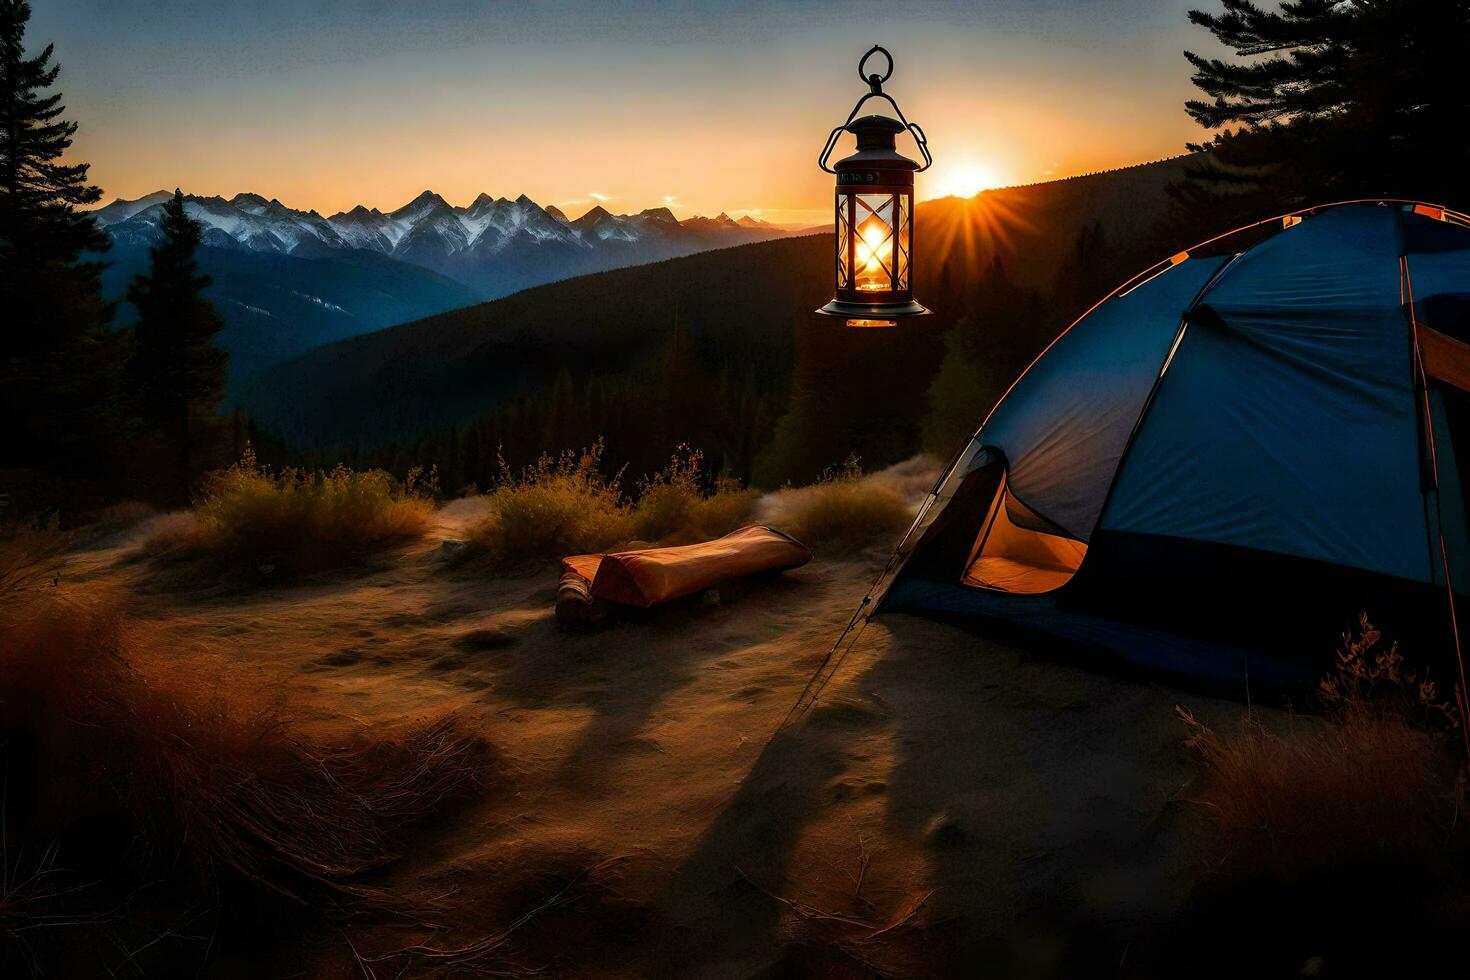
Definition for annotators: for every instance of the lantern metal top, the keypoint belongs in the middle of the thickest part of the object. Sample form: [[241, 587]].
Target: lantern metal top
[[874, 132], [877, 148]]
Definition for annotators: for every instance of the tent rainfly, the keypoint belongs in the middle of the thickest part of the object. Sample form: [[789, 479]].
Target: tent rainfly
[[1240, 449]]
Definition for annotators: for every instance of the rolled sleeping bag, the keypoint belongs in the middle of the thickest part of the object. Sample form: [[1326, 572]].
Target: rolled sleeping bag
[[653, 576]]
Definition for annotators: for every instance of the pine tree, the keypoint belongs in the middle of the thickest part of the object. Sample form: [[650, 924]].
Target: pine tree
[[561, 407], [59, 364], [1335, 99], [985, 350], [179, 374], [1087, 272]]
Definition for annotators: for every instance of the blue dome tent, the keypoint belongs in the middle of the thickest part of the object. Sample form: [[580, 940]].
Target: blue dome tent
[[1224, 462]]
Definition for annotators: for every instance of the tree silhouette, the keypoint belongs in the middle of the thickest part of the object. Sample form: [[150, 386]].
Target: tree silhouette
[[59, 364], [985, 351], [1087, 272], [178, 372], [1335, 99]]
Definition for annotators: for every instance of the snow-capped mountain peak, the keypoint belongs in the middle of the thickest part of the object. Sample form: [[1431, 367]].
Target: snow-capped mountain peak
[[121, 210], [594, 214], [420, 206], [490, 241]]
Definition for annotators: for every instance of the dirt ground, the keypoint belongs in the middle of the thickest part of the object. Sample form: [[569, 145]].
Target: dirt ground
[[950, 806]]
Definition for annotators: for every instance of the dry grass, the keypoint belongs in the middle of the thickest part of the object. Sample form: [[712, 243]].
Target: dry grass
[[560, 506], [564, 505], [1323, 794], [844, 511], [681, 504], [107, 748], [1375, 778], [297, 521], [1335, 842]]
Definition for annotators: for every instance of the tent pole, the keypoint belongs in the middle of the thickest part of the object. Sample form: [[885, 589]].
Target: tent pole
[[827, 668], [1421, 381]]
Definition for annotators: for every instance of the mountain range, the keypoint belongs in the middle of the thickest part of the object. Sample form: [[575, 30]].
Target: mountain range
[[739, 306], [286, 281], [493, 246]]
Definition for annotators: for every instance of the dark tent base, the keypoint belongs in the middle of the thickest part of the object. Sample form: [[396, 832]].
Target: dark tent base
[[1291, 607], [1101, 643], [1200, 615]]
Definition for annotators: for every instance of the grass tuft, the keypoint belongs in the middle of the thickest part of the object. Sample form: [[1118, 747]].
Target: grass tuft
[[561, 506], [1334, 841], [1375, 781], [564, 505], [681, 504], [1323, 794], [297, 521], [844, 510]]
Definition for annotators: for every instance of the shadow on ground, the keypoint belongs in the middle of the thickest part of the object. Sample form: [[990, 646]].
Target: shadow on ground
[[1031, 801]]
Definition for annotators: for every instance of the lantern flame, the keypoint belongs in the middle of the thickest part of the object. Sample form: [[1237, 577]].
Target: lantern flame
[[874, 248]]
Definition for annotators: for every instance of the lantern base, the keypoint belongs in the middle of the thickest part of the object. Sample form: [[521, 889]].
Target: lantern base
[[873, 315]]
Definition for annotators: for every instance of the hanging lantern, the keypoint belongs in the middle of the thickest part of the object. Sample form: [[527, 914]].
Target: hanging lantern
[[875, 210]]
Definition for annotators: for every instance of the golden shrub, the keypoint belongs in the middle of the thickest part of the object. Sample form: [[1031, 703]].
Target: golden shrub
[[299, 520]]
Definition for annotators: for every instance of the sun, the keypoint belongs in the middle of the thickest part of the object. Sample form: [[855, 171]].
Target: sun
[[964, 178]]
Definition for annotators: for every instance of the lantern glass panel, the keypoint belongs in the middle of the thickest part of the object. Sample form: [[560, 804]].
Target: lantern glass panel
[[873, 245], [903, 242], [844, 242]]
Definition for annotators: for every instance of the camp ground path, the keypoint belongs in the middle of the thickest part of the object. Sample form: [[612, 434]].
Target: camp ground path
[[948, 803]]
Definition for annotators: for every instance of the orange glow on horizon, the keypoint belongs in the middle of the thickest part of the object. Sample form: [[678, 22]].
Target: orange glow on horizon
[[962, 177], [622, 105], [699, 170], [978, 226]]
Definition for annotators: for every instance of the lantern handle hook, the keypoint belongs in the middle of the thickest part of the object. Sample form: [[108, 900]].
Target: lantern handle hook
[[875, 84], [875, 81]]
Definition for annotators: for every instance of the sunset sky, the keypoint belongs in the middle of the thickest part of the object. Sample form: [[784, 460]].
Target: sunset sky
[[705, 107]]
